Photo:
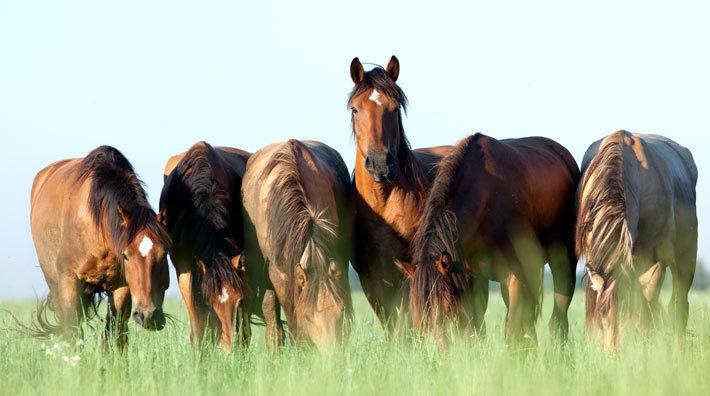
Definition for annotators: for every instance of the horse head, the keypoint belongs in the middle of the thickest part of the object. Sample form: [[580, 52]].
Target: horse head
[[436, 294], [322, 303], [375, 103], [145, 268]]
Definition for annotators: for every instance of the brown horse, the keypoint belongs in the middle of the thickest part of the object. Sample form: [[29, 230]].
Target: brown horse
[[499, 210], [296, 198], [390, 186], [201, 206], [94, 231], [636, 218]]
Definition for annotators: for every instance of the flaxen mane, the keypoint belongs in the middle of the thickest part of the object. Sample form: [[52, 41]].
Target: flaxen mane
[[116, 190], [602, 216], [438, 232], [298, 232], [200, 220]]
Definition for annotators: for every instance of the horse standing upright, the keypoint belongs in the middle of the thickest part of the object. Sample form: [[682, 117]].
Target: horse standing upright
[[201, 206], [636, 217], [94, 231], [296, 199], [499, 210], [390, 185]]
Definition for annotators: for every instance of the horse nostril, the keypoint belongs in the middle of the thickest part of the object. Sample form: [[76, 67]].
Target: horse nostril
[[138, 317], [368, 163]]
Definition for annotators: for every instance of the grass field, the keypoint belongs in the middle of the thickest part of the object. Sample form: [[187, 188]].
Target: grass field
[[165, 363]]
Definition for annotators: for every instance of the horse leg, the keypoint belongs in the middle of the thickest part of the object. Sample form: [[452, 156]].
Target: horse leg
[[480, 290], [651, 282], [69, 307], [520, 321], [563, 264], [243, 327], [193, 302], [119, 310], [272, 317], [512, 299], [682, 273], [373, 292]]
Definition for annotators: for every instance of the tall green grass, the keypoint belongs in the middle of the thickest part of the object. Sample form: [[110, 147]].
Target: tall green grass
[[164, 362]]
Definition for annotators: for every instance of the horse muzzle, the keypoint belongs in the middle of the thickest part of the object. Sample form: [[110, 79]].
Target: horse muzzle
[[381, 166], [150, 319]]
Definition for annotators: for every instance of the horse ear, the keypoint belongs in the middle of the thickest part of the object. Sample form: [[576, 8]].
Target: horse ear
[[357, 73], [123, 217], [201, 266], [406, 269], [301, 276], [393, 68], [595, 280], [444, 263], [334, 270], [238, 262]]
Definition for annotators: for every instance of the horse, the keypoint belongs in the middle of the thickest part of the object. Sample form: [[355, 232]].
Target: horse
[[298, 212], [390, 185], [497, 210], [636, 217], [94, 232], [201, 206]]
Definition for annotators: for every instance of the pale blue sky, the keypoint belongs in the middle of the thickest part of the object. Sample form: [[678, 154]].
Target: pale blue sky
[[151, 78]]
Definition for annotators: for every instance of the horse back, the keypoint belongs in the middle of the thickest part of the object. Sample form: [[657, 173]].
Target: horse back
[[661, 177], [321, 173], [429, 157], [541, 177]]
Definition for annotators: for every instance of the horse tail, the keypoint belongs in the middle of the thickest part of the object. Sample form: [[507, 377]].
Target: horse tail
[[41, 326], [44, 327], [602, 232]]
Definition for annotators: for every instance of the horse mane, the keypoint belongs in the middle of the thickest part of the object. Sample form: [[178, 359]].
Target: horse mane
[[378, 79], [199, 216], [116, 192], [602, 214], [298, 232], [438, 231]]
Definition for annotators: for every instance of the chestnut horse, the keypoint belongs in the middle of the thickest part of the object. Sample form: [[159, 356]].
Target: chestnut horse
[[390, 186], [94, 231], [498, 210], [296, 199], [201, 206], [636, 218]]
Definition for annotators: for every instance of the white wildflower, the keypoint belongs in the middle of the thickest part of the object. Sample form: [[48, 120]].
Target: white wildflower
[[72, 361]]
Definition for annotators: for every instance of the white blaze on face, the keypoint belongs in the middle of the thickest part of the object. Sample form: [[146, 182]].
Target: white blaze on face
[[375, 97], [224, 296], [145, 246]]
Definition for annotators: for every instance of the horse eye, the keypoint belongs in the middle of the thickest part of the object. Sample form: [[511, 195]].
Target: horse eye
[[125, 256], [353, 109]]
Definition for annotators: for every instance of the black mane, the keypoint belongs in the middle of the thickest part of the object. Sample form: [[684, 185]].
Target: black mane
[[116, 189], [204, 218], [438, 232]]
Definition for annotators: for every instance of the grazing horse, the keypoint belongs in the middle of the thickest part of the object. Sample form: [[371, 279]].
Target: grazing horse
[[201, 206], [636, 216], [498, 210], [94, 231], [390, 185], [296, 198]]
